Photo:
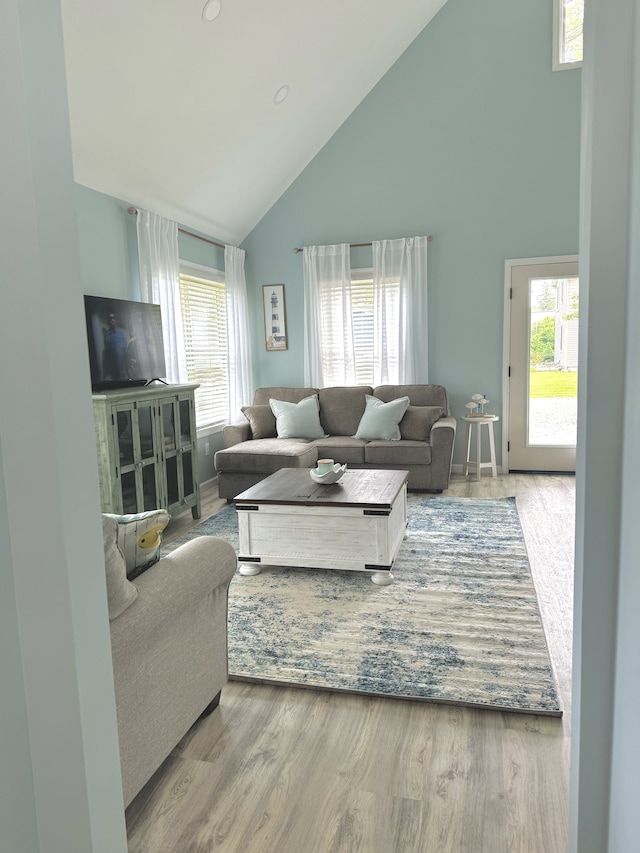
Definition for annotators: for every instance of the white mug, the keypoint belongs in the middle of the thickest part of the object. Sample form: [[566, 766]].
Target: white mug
[[325, 465]]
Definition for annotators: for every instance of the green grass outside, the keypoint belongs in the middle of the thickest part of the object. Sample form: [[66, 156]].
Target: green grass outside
[[553, 383]]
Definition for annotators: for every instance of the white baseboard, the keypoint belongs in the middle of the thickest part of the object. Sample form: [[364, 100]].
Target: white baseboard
[[457, 469]]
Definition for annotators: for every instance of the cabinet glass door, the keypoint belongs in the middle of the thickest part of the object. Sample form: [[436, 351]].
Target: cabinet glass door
[[187, 446], [185, 421], [177, 439], [138, 457], [169, 426], [125, 436]]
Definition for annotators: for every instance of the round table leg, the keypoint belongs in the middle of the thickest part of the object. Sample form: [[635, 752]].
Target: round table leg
[[382, 578], [250, 569]]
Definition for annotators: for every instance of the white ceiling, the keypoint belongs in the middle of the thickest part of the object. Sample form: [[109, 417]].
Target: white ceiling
[[176, 115]]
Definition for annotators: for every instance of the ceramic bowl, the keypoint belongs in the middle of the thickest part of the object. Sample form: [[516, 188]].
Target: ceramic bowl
[[330, 476]]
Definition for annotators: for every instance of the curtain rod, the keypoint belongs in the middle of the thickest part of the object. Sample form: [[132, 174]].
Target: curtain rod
[[358, 245], [134, 212]]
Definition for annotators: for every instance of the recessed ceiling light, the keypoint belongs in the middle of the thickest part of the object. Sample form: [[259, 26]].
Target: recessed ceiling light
[[212, 9], [281, 94]]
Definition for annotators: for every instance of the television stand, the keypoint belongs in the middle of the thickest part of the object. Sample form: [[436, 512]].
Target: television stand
[[155, 379], [147, 449]]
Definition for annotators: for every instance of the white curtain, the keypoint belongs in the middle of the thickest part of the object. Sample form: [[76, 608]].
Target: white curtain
[[328, 334], [160, 284], [400, 337], [238, 337]]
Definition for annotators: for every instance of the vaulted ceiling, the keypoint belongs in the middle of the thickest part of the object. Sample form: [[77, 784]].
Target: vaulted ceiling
[[177, 113]]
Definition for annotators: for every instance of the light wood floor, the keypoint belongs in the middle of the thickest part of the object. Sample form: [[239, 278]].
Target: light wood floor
[[277, 770]]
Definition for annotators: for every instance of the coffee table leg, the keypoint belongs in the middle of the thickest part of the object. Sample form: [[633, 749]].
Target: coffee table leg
[[250, 569], [382, 578]]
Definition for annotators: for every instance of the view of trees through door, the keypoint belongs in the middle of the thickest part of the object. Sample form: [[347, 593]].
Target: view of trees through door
[[553, 353]]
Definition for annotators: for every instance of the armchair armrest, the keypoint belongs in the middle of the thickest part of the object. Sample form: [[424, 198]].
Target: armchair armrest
[[235, 433], [174, 585]]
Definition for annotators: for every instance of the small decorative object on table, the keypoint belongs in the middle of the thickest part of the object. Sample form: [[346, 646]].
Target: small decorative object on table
[[327, 471], [478, 401]]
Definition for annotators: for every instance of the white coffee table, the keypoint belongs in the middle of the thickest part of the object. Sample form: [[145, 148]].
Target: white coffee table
[[356, 524]]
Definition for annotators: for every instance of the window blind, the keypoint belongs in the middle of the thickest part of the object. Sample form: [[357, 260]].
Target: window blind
[[204, 319], [362, 325]]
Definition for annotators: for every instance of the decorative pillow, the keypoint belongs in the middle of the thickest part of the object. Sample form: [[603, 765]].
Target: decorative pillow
[[298, 420], [140, 538], [380, 420], [417, 422], [261, 420], [120, 591]]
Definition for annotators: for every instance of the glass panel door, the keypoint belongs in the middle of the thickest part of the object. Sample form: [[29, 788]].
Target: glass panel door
[[543, 366]]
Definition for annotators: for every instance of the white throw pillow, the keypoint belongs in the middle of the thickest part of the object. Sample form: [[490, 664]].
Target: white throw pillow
[[380, 420], [298, 420]]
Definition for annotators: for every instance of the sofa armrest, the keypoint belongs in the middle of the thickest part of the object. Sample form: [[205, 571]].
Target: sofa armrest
[[442, 438], [235, 433], [445, 423]]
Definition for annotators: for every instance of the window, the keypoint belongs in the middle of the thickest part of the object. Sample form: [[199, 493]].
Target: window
[[568, 17], [335, 303], [363, 328], [362, 324], [366, 326], [204, 320]]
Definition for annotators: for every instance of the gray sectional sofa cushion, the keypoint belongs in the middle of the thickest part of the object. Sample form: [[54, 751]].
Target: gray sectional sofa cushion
[[425, 447]]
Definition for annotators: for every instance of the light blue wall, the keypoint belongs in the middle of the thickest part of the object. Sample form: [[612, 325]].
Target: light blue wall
[[470, 137], [109, 264], [107, 237], [109, 246]]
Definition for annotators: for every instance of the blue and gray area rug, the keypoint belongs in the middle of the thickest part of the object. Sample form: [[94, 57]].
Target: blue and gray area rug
[[459, 625]]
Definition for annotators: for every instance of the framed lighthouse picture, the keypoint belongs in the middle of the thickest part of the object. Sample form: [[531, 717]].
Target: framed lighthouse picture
[[275, 318]]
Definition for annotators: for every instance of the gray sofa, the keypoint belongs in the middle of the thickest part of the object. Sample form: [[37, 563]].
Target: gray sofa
[[169, 648], [252, 451]]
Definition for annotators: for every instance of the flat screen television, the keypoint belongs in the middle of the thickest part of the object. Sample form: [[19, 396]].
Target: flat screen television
[[125, 342]]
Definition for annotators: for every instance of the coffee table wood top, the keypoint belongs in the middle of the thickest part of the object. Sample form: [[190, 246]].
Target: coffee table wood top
[[357, 487]]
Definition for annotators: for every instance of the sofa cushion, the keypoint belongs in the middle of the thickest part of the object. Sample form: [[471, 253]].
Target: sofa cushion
[[121, 593], [261, 420], [342, 448], [291, 395], [341, 408], [419, 395], [397, 453], [140, 538], [298, 420], [380, 420], [417, 422], [266, 455]]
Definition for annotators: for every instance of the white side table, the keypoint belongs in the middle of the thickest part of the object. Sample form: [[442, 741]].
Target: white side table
[[478, 465]]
